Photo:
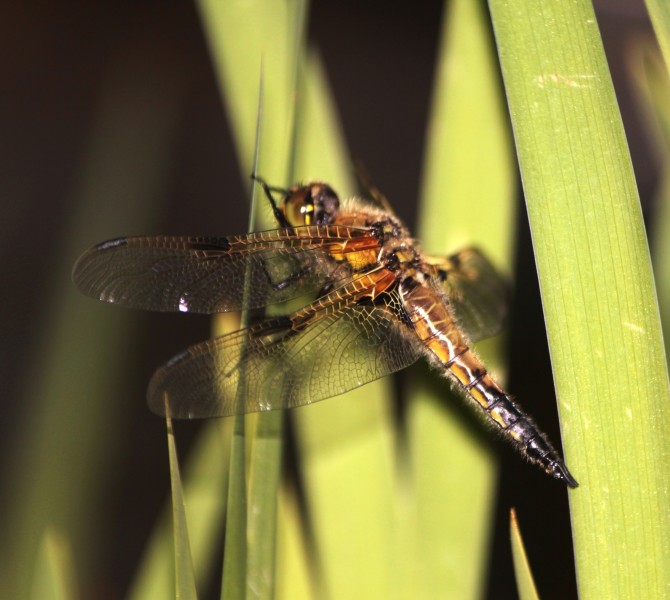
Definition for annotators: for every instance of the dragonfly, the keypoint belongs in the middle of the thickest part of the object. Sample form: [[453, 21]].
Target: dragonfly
[[375, 304]]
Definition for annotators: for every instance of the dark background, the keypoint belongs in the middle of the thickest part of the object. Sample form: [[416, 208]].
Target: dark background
[[379, 58]]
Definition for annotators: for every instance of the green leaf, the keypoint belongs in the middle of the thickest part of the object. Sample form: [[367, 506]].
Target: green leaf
[[524, 576], [53, 578], [346, 443], [206, 476], [264, 479], [295, 577], [234, 578], [653, 84], [184, 574], [468, 173], [247, 40], [659, 11], [597, 291], [243, 36]]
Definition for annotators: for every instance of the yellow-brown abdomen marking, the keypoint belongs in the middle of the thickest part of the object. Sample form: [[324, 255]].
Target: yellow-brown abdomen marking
[[437, 330]]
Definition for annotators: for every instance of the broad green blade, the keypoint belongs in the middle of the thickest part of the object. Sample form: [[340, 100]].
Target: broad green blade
[[294, 566], [469, 173], [597, 292], [467, 199], [524, 576], [346, 443], [184, 573], [243, 36], [53, 577]]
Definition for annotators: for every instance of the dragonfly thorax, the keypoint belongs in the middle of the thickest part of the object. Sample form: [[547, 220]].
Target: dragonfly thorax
[[397, 254], [312, 204]]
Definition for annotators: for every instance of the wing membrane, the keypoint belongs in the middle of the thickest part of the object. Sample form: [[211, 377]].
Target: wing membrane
[[478, 294], [333, 345], [207, 274]]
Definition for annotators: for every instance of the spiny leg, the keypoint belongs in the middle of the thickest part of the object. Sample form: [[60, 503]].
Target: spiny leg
[[268, 189]]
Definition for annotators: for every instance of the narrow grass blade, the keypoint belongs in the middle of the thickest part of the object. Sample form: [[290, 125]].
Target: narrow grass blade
[[264, 477], [235, 557], [597, 291], [53, 578], [268, 440], [242, 38], [234, 575], [206, 475], [524, 576], [468, 174], [184, 573]]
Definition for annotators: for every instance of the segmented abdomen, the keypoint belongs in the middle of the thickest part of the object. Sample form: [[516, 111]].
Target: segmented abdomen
[[437, 330]]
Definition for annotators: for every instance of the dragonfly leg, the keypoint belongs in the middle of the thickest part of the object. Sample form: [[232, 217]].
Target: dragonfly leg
[[276, 211], [293, 278]]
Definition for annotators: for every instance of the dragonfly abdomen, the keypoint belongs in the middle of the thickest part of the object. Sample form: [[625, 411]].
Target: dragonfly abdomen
[[468, 370], [450, 352], [520, 429]]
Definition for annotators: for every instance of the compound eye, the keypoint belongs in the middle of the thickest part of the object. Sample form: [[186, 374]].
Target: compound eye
[[326, 203], [298, 206]]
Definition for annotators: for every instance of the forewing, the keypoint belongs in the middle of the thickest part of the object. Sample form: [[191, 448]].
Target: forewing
[[321, 351], [209, 274], [478, 294]]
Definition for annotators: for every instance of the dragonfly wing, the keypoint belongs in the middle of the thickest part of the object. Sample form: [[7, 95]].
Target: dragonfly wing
[[210, 274], [325, 349], [478, 294]]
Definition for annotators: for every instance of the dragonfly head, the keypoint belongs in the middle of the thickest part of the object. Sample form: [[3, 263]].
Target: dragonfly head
[[312, 204]]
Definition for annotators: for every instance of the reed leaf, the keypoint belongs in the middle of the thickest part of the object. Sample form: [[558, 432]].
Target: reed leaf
[[524, 576], [468, 174], [597, 292], [184, 573]]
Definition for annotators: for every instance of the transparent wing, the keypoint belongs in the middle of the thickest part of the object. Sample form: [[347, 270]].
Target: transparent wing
[[207, 274], [478, 294], [333, 345]]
